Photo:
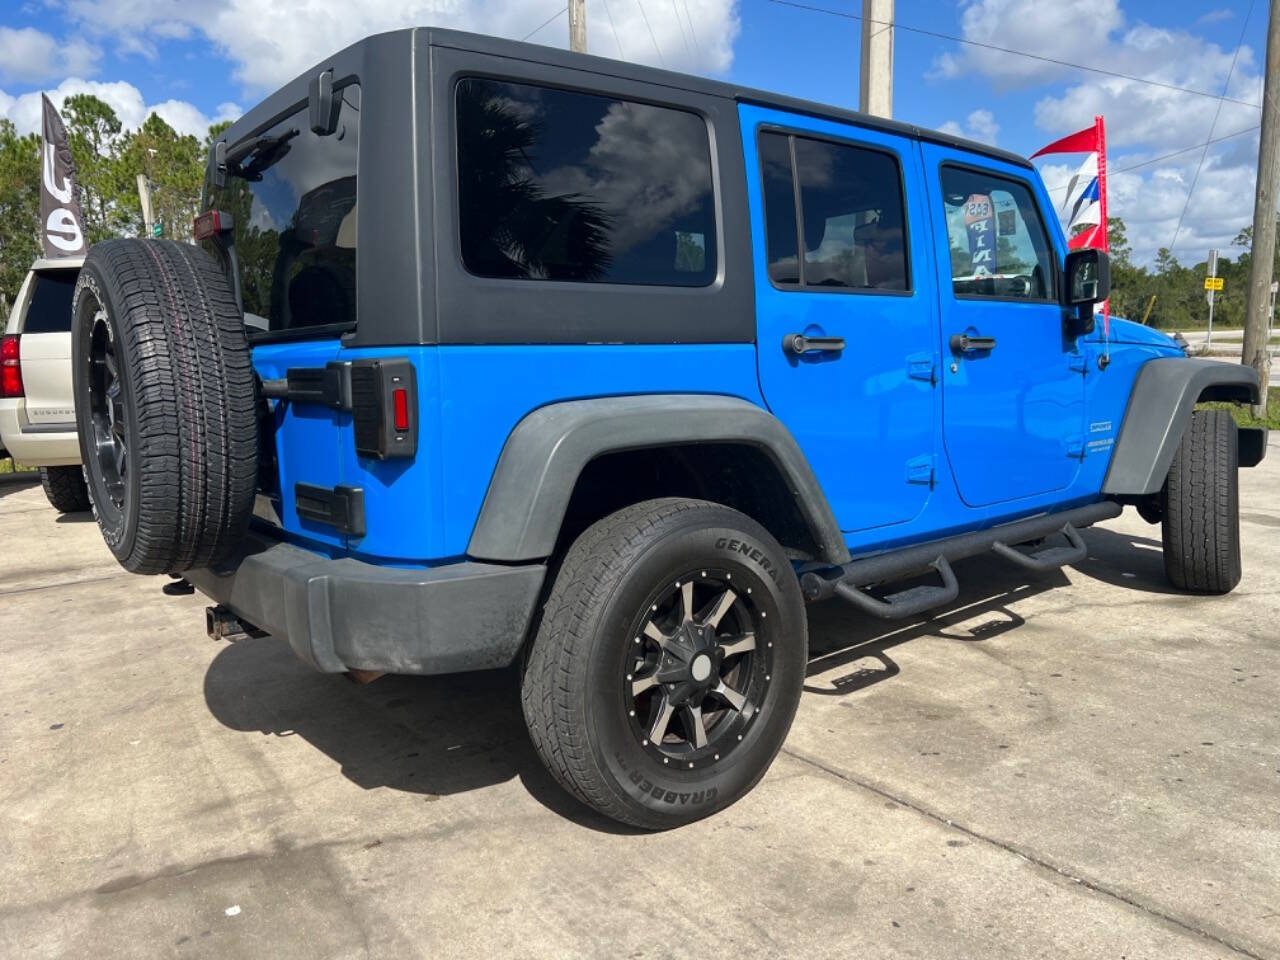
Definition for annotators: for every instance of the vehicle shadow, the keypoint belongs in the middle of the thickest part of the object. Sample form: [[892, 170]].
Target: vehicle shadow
[[17, 482], [435, 736], [452, 734], [841, 636], [1125, 560]]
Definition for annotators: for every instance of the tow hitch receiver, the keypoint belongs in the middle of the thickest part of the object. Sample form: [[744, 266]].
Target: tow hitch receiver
[[222, 624]]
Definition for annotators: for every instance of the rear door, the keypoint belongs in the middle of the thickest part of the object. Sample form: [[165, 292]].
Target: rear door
[[45, 348], [1013, 392], [291, 194], [843, 259]]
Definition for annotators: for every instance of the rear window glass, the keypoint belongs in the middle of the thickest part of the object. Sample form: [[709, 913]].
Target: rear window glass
[[561, 185], [49, 309], [293, 199]]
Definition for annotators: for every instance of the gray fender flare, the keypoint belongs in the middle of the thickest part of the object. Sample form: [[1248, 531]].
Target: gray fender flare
[[1160, 406], [540, 463]]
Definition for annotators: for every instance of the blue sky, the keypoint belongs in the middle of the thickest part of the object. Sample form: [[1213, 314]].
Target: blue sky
[[195, 61]]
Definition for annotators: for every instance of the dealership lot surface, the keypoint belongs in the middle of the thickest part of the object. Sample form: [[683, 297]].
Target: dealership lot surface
[[1077, 764]]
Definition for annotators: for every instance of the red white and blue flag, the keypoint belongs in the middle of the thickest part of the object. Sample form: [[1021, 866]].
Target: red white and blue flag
[[1086, 201]]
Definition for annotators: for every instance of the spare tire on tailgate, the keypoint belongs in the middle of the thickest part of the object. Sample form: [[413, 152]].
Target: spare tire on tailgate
[[165, 404]]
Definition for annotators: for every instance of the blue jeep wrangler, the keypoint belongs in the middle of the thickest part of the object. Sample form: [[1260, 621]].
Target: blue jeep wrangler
[[493, 354]]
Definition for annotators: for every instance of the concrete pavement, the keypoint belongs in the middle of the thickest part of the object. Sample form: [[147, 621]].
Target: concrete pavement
[[1083, 764]]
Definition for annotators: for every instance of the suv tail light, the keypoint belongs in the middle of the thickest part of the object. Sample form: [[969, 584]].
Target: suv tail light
[[10, 370]]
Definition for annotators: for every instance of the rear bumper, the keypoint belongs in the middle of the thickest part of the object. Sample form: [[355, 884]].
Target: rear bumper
[[36, 445], [344, 614]]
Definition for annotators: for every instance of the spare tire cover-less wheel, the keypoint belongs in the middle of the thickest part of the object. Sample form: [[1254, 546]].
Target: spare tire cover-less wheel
[[165, 404]]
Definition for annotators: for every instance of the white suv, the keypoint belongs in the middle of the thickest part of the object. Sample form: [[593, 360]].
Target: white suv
[[37, 407]]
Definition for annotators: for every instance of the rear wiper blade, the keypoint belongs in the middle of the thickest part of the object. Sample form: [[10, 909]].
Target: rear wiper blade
[[249, 159]]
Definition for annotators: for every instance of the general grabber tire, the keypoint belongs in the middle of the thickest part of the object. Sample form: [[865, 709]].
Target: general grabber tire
[[1201, 506], [668, 663], [165, 404], [65, 489]]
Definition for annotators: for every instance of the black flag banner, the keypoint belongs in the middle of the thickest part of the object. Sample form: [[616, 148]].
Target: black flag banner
[[60, 215]]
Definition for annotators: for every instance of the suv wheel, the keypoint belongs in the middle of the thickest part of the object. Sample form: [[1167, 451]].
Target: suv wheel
[[65, 488], [669, 662], [1201, 507]]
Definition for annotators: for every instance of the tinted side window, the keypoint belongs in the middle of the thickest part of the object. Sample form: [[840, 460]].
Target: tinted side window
[[293, 199], [781, 229], [559, 185], [49, 309], [998, 243], [852, 221]]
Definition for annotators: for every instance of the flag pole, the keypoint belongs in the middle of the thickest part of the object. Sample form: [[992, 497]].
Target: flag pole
[[1106, 232]]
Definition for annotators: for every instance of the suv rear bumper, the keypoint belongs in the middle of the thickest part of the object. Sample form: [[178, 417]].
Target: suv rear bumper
[[345, 614], [37, 445]]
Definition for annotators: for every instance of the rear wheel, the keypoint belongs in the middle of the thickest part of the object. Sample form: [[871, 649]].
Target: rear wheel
[[65, 488], [165, 404], [669, 662], [1200, 504]]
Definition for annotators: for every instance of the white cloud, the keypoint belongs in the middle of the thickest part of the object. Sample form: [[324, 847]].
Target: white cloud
[[28, 55], [1144, 121], [1075, 32], [124, 98], [1215, 16], [271, 43], [980, 125]]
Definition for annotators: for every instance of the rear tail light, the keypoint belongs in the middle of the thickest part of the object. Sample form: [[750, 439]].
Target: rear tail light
[[10, 369], [400, 398]]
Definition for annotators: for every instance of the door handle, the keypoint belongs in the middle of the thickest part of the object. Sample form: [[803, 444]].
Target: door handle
[[963, 343], [798, 343]]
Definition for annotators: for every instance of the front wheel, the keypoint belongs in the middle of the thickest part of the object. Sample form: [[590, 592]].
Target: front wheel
[[1200, 504], [669, 662]]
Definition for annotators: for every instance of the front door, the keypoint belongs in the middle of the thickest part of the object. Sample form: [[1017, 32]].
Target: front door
[[1013, 381], [842, 255]]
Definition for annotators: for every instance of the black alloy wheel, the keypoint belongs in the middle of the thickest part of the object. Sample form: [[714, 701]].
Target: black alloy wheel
[[109, 440], [699, 670]]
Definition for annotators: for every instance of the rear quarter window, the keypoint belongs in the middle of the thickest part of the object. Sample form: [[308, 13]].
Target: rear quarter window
[[49, 308], [558, 184]]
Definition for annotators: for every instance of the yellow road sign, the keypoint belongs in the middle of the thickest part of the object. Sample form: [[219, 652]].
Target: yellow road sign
[[1213, 283]]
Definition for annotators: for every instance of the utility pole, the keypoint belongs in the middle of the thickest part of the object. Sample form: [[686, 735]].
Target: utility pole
[[1213, 272], [144, 197], [875, 94], [1262, 254], [578, 26]]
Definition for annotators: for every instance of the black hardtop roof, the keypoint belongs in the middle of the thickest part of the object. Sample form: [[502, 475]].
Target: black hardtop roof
[[536, 53]]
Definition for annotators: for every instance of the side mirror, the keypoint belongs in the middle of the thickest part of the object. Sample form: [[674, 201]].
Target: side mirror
[[324, 106], [1088, 281], [1088, 274]]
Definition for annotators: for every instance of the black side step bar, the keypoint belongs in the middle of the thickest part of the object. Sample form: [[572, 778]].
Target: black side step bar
[[848, 581], [906, 603], [1049, 559]]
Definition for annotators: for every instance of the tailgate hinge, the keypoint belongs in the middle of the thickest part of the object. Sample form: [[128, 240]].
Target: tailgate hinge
[[1075, 447]]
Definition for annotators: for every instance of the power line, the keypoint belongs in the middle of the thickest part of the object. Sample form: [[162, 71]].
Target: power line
[[684, 39], [652, 36], [1167, 156], [558, 13], [1217, 111], [614, 30], [1018, 53], [693, 33]]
